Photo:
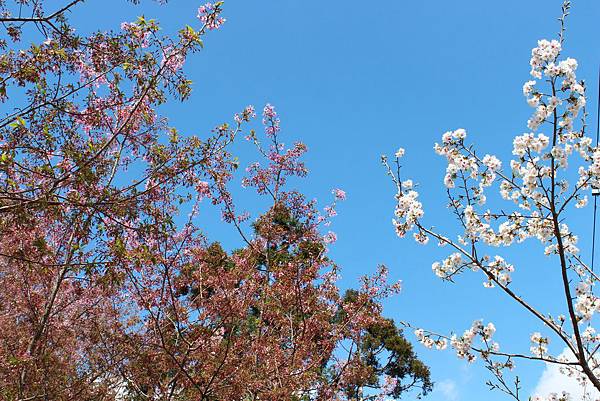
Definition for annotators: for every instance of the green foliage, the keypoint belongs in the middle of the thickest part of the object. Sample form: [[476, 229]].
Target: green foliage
[[386, 352]]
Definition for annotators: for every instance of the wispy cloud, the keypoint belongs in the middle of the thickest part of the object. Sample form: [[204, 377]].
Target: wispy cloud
[[553, 381], [448, 389]]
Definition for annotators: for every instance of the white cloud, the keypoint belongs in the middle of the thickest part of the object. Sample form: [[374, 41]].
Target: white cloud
[[448, 389], [553, 381]]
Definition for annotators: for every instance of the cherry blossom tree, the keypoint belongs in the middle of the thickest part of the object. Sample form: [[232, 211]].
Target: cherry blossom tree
[[112, 290], [549, 175]]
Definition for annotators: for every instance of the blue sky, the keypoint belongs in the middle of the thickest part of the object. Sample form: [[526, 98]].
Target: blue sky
[[354, 80]]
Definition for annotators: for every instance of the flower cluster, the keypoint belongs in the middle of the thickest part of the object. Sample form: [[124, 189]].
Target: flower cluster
[[429, 341], [330, 237], [449, 266], [270, 120], [408, 211], [554, 164], [463, 344], [246, 115], [466, 166], [499, 270], [539, 345], [208, 14], [546, 52], [140, 35], [173, 59], [527, 143], [586, 304], [339, 194], [563, 396]]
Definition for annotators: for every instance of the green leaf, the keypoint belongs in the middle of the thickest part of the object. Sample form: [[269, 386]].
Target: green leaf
[[19, 122], [173, 136]]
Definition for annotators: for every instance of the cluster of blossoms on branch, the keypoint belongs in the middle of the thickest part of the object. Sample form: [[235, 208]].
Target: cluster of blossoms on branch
[[209, 14], [554, 167], [463, 345]]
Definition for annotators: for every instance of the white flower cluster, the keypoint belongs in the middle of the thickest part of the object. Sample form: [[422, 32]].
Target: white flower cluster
[[408, 208], [569, 242], [492, 162], [563, 396], [465, 165], [463, 345], [595, 167], [529, 143], [544, 62], [517, 228], [529, 169], [477, 227], [539, 346], [408, 211], [568, 92], [450, 148], [546, 52], [528, 88], [589, 335], [421, 237], [541, 113], [565, 69], [500, 270], [428, 341], [538, 183], [592, 174], [449, 266], [586, 303]]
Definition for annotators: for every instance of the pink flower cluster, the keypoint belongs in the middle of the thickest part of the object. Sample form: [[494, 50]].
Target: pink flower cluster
[[246, 115], [270, 120], [339, 194], [330, 237], [173, 59], [208, 14]]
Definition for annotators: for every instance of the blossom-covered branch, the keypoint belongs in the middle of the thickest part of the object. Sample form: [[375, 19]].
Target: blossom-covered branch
[[549, 175]]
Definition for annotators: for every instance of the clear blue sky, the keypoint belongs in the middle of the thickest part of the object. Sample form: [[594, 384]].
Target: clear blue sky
[[356, 79]]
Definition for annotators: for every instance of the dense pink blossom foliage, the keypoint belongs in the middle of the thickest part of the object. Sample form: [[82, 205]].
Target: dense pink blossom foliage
[[111, 290]]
